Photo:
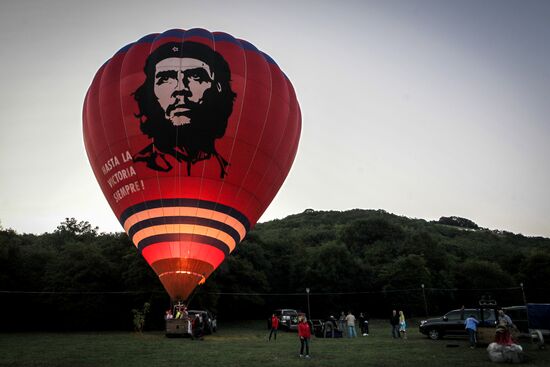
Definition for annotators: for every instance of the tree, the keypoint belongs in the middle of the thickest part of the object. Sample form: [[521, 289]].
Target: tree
[[332, 267], [458, 222], [139, 317], [484, 274], [433, 252], [535, 274], [362, 233], [78, 229], [406, 273]]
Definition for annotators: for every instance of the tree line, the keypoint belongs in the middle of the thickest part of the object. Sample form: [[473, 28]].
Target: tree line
[[360, 260]]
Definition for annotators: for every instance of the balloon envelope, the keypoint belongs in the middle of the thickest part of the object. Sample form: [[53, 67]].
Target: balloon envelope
[[190, 135]]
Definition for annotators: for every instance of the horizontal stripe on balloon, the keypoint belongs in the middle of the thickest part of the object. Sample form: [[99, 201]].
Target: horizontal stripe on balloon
[[172, 237], [185, 203], [201, 277], [182, 251], [173, 265], [208, 214], [201, 222], [185, 229]]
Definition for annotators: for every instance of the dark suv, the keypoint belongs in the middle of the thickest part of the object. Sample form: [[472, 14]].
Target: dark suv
[[452, 323], [288, 319]]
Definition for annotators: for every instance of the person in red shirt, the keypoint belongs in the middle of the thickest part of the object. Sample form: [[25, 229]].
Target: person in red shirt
[[274, 327], [304, 332]]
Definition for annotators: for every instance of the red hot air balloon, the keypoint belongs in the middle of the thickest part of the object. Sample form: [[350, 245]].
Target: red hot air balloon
[[190, 135]]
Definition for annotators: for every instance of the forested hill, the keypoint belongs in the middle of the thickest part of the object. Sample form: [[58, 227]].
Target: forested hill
[[366, 260], [375, 250], [373, 260]]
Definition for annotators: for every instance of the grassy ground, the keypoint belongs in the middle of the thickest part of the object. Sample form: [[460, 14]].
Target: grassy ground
[[242, 344]]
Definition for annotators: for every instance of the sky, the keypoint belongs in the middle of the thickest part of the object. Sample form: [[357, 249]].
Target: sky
[[420, 108]]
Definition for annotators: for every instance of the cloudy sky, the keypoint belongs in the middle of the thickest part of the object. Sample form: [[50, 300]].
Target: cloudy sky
[[420, 108]]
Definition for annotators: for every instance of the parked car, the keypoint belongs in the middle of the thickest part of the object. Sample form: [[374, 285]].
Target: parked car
[[288, 319], [210, 322], [452, 323]]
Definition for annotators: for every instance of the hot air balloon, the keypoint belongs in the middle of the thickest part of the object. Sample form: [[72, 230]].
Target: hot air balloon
[[190, 135]]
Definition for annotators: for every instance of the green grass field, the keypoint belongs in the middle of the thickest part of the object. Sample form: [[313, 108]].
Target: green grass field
[[242, 344]]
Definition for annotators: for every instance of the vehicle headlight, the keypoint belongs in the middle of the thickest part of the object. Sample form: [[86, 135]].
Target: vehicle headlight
[[423, 322]]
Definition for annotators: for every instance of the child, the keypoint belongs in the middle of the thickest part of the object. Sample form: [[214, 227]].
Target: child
[[304, 332], [471, 327], [274, 326], [402, 325]]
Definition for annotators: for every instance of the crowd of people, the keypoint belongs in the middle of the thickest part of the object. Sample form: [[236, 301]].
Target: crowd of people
[[345, 325], [194, 323], [503, 331], [504, 349]]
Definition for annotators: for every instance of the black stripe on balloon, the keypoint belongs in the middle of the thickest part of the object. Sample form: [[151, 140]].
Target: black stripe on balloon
[[173, 237], [185, 220], [190, 203]]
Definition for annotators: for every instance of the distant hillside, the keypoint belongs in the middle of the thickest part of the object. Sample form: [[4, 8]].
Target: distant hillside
[[372, 250], [363, 260]]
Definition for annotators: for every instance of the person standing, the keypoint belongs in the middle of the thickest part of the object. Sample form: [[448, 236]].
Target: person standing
[[471, 327], [179, 313], [364, 324], [304, 333], [342, 323], [505, 319], [198, 327], [274, 327], [350, 321], [394, 321], [361, 320], [330, 326], [189, 321], [503, 334], [402, 325]]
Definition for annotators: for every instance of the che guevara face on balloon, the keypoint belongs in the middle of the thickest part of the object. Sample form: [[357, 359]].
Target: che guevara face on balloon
[[184, 105]]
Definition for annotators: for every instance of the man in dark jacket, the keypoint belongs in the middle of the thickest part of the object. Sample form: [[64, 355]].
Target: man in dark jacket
[[394, 321]]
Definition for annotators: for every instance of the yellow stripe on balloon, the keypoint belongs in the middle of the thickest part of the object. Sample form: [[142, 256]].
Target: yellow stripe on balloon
[[201, 277], [184, 229], [185, 211]]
